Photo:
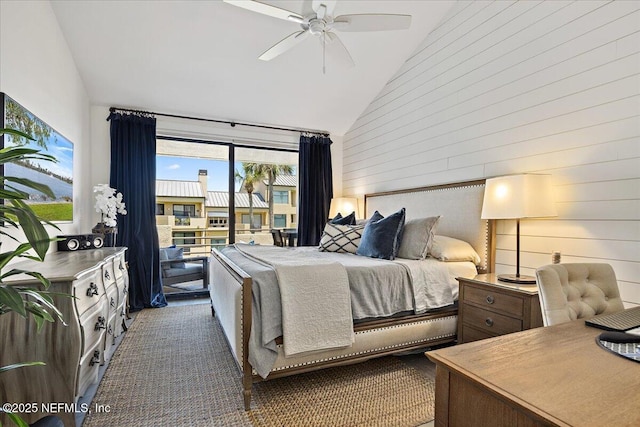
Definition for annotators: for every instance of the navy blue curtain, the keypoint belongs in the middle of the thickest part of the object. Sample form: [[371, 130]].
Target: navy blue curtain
[[133, 173], [315, 188]]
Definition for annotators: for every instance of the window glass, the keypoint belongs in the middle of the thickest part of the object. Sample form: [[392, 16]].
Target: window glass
[[159, 209], [281, 197], [184, 210], [280, 221]]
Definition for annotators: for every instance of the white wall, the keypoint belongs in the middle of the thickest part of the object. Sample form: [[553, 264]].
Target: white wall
[[37, 70], [506, 87]]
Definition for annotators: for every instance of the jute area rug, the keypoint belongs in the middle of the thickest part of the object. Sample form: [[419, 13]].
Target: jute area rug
[[174, 368]]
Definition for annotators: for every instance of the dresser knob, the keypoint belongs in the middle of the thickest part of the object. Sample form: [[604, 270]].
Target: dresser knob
[[113, 302], [489, 321], [121, 267], [100, 324], [110, 330], [93, 290], [490, 299], [96, 358], [107, 275]]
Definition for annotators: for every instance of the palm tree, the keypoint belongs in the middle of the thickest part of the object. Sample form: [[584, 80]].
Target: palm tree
[[249, 176], [272, 172]]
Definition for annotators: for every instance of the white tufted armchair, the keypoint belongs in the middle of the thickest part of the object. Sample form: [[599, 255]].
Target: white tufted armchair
[[576, 291]]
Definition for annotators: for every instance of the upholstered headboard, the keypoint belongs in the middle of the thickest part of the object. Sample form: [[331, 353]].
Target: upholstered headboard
[[459, 206]]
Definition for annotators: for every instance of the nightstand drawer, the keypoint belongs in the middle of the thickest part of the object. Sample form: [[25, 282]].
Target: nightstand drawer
[[492, 299], [472, 334], [490, 321]]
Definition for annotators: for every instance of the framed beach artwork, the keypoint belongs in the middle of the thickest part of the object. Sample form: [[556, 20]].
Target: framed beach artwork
[[57, 175]]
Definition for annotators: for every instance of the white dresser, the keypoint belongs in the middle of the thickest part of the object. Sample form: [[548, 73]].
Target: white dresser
[[98, 280]]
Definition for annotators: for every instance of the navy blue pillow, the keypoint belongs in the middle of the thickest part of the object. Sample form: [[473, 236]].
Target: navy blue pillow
[[381, 236], [347, 220]]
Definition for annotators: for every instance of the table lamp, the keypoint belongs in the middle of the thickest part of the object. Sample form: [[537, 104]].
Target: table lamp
[[517, 197], [343, 205]]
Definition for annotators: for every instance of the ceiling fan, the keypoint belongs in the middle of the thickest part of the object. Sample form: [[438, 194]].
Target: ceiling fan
[[322, 24]]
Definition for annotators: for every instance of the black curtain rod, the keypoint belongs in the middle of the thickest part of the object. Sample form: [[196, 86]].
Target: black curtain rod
[[232, 124]]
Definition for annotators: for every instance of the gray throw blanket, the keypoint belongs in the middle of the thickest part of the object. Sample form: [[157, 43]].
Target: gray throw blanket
[[378, 288], [316, 307]]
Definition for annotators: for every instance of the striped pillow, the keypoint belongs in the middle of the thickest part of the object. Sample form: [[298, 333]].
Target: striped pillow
[[341, 238]]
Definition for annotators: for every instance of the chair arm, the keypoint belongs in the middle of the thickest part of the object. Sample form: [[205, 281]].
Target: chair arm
[[204, 259], [190, 259]]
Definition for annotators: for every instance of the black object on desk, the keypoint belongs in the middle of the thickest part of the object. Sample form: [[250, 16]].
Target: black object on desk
[[620, 321], [620, 343]]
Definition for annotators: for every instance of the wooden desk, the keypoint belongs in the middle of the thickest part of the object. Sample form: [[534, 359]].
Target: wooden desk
[[556, 375]]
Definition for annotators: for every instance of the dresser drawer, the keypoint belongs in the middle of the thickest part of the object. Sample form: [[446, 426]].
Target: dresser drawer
[[93, 323], [119, 266], [108, 274], [493, 299], [112, 298], [88, 291], [88, 368], [489, 321]]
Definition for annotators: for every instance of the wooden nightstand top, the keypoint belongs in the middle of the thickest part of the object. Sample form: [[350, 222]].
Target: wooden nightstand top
[[492, 280]]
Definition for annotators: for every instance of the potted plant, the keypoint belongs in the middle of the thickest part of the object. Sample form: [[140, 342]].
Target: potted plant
[[15, 213]]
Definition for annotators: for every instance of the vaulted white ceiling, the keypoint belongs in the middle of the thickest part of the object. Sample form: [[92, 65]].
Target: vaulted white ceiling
[[200, 58]]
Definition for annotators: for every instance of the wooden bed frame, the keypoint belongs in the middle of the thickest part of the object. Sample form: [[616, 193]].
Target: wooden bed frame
[[459, 204]]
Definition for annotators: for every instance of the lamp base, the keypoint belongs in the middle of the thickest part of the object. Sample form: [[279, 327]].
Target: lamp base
[[512, 278]]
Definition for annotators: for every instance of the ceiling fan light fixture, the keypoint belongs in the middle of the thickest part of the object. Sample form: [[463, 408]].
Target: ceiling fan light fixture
[[317, 26]]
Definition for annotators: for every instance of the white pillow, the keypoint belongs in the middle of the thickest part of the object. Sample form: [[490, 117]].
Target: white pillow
[[341, 238], [449, 249]]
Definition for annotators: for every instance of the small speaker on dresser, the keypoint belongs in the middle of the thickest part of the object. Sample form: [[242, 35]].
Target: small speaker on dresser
[[80, 241]]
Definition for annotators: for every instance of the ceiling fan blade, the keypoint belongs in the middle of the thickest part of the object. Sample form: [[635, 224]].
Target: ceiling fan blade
[[337, 51], [329, 6], [266, 9], [372, 22], [284, 45]]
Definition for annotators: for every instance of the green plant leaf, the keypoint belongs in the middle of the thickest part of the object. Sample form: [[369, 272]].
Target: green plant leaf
[[19, 422], [15, 132], [20, 365], [12, 299], [31, 184], [45, 302], [33, 229], [5, 257]]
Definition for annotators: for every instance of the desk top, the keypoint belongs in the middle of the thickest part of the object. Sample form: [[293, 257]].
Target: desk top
[[558, 373]]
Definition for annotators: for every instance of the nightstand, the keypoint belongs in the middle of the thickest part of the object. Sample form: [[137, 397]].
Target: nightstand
[[488, 308]]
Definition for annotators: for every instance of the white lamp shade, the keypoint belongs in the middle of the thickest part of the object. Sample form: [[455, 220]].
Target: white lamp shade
[[344, 206], [518, 196]]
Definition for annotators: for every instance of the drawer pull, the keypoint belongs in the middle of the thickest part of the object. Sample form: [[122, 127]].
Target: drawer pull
[[107, 275], [100, 324], [110, 330], [121, 267], [113, 302], [490, 299], [95, 359], [488, 321], [93, 290]]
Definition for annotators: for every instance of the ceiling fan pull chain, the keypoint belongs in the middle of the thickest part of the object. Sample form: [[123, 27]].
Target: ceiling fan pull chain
[[324, 46]]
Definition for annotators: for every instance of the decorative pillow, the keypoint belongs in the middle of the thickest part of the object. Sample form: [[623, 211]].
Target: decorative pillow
[[417, 237], [341, 238], [381, 236], [346, 220], [449, 249], [172, 253]]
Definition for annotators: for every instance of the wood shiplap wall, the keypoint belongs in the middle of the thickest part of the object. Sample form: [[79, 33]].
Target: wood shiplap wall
[[508, 87]]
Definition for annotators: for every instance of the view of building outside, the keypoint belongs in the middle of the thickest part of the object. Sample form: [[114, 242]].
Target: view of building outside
[[192, 201]]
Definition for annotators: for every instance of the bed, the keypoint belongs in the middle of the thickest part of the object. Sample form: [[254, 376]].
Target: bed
[[238, 278]]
